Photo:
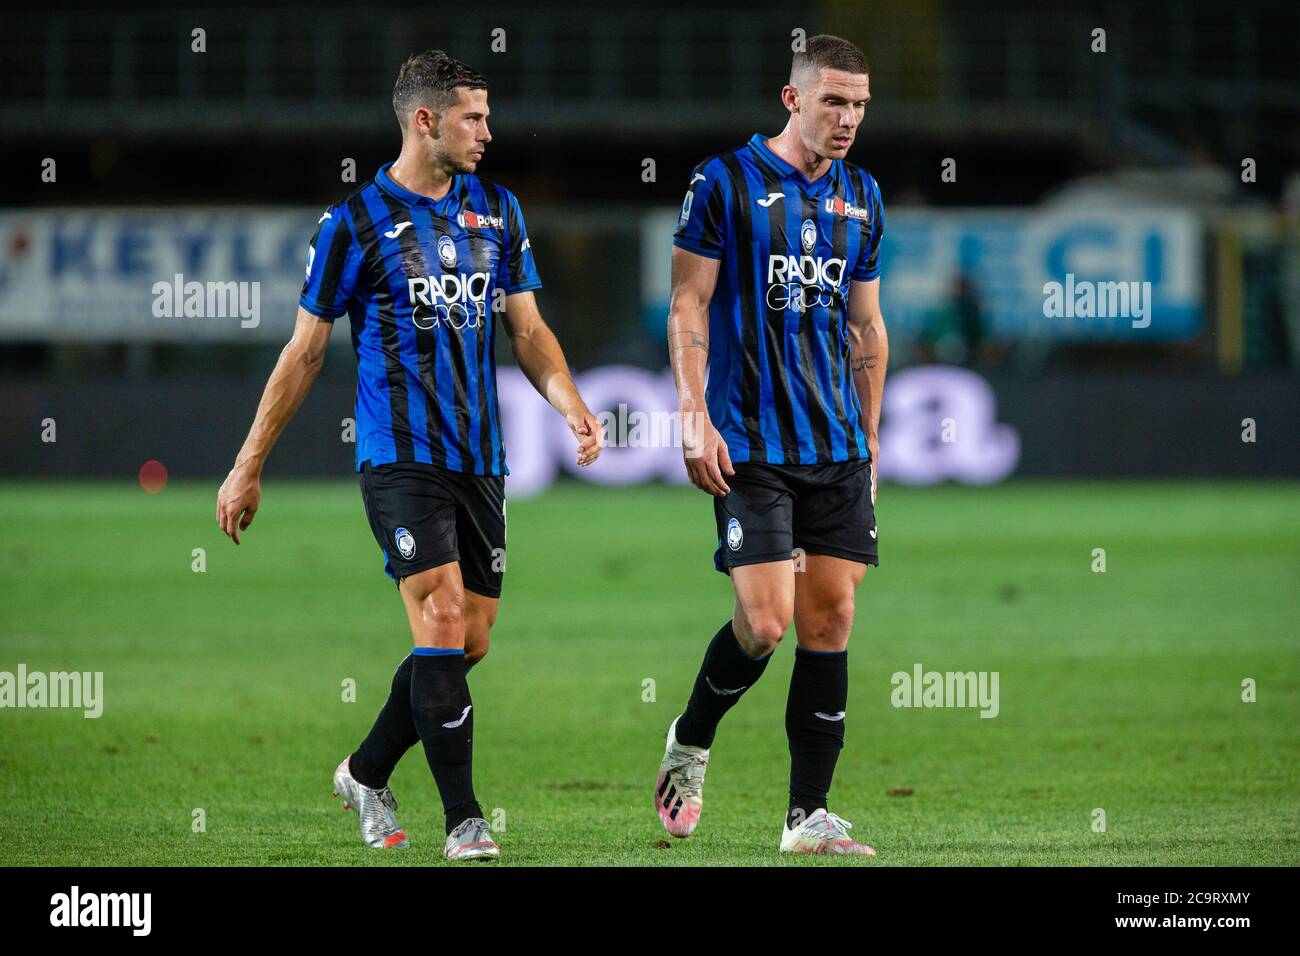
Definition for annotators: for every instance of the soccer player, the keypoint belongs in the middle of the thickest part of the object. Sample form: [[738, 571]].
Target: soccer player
[[776, 292], [418, 257]]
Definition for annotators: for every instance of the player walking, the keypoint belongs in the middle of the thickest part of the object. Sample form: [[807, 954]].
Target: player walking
[[776, 291], [418, 258]]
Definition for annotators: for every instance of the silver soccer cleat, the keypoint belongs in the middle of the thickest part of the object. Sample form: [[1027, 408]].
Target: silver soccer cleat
[[377, 809], [471, 840]]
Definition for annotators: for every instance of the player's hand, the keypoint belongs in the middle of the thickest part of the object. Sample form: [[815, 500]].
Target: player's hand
[[706, 454], [873, 446], [591, 437], [237, 501]]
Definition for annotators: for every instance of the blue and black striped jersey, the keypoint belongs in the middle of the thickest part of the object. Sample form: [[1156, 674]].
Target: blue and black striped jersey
[[422, 280], [780, 389]]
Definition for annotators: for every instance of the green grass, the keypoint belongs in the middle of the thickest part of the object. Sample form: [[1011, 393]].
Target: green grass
[[1119, 690]]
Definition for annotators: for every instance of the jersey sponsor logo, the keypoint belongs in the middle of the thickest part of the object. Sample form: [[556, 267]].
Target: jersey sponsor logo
[[447, 252], [841, 208], [470, 219], [735, 535], [803, 282], [405, 542], [771, 198], [396, 230], [458, 300]]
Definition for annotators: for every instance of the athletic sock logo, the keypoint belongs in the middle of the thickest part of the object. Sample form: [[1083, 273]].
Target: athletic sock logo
[[722, 690], [453, 724], [839, 716]]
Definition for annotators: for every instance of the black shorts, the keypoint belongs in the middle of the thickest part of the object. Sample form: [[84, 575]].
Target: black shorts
[[424, 516], [773, 509]]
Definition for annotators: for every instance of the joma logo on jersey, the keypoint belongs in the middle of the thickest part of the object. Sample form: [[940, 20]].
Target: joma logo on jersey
[[457, 300], [841, 208], [475, 220]]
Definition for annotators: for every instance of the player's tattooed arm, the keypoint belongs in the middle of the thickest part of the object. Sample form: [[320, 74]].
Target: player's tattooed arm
[[706, 454], [299, 363], [687, 339], [869, 355], [542, 361], [694, 278]]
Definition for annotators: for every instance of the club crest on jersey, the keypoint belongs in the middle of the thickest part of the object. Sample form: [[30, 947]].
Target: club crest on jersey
[[840, 208], [405, 542], [808, 235], [735, 536], [474, 220], [447, 252]]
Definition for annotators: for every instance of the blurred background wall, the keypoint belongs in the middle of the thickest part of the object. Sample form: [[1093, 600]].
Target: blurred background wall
[[145, 147]]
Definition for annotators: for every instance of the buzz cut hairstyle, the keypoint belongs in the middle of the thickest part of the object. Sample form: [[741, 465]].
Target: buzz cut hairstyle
[[429, 79], [826, 52]]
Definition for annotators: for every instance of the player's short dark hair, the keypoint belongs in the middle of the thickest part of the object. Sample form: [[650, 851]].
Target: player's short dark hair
[[827, 52], [429, 79]]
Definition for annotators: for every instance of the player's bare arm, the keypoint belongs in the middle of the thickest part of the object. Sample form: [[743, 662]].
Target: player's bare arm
[[694, 278], [542, 360], [296, 370], [868, 358]]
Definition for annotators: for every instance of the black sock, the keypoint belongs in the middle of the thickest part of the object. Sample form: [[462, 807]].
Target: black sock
[[814, 722], [392, 735], [444, 718], [726, 667]]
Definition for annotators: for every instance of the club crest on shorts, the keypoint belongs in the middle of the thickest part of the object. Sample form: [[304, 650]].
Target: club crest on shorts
[[735, 536], [405, 542]]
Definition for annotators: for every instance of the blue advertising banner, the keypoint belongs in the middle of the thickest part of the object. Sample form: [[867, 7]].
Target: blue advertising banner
[[1069, 273]]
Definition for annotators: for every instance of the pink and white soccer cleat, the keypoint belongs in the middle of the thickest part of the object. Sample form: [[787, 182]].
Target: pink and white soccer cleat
[[678, 791], [822, 832]]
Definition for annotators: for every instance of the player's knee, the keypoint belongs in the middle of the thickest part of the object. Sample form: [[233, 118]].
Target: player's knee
[[831, 626], [763, 633], [443, 615]]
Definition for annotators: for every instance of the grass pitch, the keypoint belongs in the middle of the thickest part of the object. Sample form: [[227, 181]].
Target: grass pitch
[[1119, 691]]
